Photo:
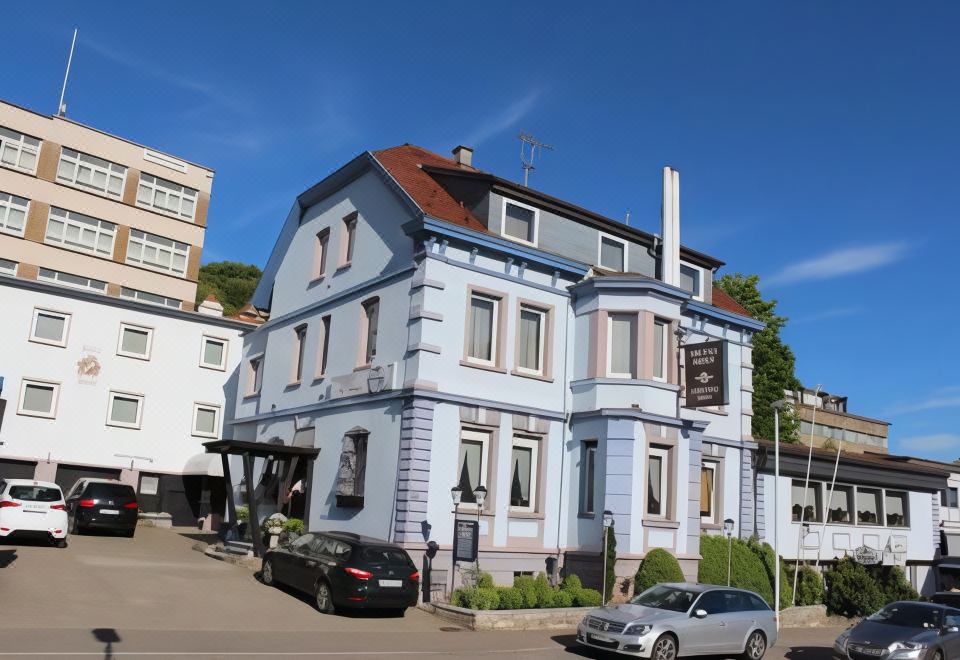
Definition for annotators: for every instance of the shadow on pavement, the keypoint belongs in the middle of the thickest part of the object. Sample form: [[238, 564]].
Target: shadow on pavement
[[106, 636], [7, 557], [809, 653], [27, 541], [359, 613], [571, 647], [206, 537]]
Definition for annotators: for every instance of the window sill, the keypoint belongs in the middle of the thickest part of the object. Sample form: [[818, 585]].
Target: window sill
[[350, 501], [525, 515], [318, 379], [204, 435], [41, 415], [523, 374], [316, 280], [710, 526], [252, 395], [46, 342], [213, 367], [483, 367], [291, 386], [341, 268], [587, 516], [656, 522], [123, 426], [145, 358], [363, 367]]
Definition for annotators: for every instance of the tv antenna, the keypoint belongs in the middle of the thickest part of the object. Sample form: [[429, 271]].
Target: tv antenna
[[528, 153], [62, 108]]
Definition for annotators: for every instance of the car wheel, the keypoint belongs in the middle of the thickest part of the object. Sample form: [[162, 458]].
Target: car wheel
[[756, 646], [324, 598], [60, 543], [74, 527], [266, 573], [665, 648], [129, 532]]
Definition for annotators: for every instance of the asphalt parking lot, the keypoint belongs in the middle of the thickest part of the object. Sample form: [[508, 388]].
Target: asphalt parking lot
[[154, 596]]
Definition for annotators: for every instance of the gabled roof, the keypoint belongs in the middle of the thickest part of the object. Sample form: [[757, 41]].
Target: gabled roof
[[723, 300]]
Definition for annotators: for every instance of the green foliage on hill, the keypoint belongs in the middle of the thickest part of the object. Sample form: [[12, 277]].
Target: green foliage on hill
[[231, 282]]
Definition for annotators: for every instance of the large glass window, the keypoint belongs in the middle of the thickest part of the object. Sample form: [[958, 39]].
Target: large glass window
[[80, 232], [869, 508], [157, 252], [75, 281], [166, 196], [840, 506], [18, 150], [38, 398], [809, 505], [523, 474], [588, 470], [91, 172], [13, 214], [520, 222], [530, 345], [657, 477], [472, 464], [482, 332], [613, 253], [896, 507], [621, 345]]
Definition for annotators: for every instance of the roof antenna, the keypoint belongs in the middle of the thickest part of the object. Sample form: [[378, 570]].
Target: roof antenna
[[626, 220], [62, 108], [527, 156]]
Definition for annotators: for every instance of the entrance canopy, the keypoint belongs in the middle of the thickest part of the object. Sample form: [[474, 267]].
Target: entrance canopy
[[259, 449]]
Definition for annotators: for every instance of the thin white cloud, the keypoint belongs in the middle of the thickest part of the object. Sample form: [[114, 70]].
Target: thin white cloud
[[838, 263], [826, 314], [934, 442], [508, 118], [948, 397]]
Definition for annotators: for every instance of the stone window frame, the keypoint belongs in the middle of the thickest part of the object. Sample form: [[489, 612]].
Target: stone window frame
[[323, 347], [359, 437], [136, 396], [585, 446], [299, 346], [499, 330], [66, 317], [534, 442], [348, 239], [365, 361], [321, 254], [489, 439], [40, 382], [546, 341], [668, 448], [136, 327]]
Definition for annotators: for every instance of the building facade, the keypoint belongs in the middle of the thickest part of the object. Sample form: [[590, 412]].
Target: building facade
[[432, 325], [825, 417], [82, 208]]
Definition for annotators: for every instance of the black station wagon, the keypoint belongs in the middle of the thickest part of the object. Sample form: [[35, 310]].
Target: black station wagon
[[343, 570]]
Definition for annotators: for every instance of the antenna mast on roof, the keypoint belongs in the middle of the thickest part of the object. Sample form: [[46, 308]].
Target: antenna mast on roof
[[528, 153], [62, 108]]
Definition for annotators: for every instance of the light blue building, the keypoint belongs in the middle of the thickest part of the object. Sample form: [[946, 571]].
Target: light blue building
[[432, 325]]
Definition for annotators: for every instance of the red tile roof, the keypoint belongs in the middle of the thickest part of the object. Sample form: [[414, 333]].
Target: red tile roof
[[404, 163], [723, 300]]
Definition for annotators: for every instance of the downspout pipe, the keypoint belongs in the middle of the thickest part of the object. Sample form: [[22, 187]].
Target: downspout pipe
[[565, 433]]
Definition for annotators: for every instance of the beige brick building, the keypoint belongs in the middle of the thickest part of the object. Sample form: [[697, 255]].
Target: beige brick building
[[826, 416], [85, 209]]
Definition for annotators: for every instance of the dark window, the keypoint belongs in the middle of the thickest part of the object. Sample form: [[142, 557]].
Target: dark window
[[714, 602], [384, 555], [757, 603], [353, 468], [99, 491], [948, 498], [302, 543], [909, 615], [35, 493]]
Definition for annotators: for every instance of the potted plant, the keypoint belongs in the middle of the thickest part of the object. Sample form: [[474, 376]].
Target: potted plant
[[272, 527], [243, 518]]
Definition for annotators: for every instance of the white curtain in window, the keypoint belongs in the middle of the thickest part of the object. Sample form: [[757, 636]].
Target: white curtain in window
[[38, 398], [49, 327], [529, 347], [521, 460], [481, 331], [621, 343], [654, 485]]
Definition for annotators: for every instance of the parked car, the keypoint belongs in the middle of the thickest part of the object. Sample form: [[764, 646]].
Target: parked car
[[102, 504], [343, 570], [33, 508], [950, 598], [671, 620], [904, 630]]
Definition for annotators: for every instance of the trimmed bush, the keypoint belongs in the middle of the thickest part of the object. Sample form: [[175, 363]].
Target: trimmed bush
[[511, 598], [562, 598], [294, 525], [809, 586], [852, 590], [544, 590], [571, 583], [527, 586], [586, 597], [749, 565], [610, 579], [485, 581], [765, 552], [479, 598], [894, 583], [658, 566]]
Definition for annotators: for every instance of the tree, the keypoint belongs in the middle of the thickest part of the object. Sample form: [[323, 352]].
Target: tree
[[773, 361], [231, 282]]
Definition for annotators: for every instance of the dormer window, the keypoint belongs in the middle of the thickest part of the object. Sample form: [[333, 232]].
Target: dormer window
[[691, 280], [613, 254], [520, 222]]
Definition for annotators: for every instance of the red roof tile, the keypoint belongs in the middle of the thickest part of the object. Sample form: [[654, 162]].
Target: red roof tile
[[404, 163], [723, 300]]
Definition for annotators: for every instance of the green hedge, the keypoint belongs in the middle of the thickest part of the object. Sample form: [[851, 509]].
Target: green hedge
[[527, 592], [658, 566], [857, 590], [809, 586], [752, 566]]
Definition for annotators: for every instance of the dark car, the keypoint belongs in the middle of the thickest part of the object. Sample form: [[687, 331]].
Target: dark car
[[904, 630], [343, 570], [102, 504], [951, 598]]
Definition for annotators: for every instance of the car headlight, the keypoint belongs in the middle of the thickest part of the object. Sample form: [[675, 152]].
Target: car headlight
[[907, 649], [639, 629]]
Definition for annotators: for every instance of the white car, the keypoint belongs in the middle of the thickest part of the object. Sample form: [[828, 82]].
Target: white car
[[33, 508]]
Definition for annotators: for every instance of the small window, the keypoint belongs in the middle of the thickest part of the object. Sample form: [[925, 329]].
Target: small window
[[150, 298], [658, 460], [869, 506], [299, 346], [613, 253], [621, 345], [13, 214], [660, 346], [324, 347], [320, 254], [157, 253], [840, 506], [483, 329], [472, 464], [166, 196], [896, 509], [18, 150], [588, 472], [949, 498], [83, 233], [50, 327], [520, 222], [808, 506], [255, 375], [124, 410], [530, 346], [691, 280], [38, 398], [349, 239], [72, 281], [206, 420], [135, 341], [523, 474], [8, 267], [352, 473], [371, 321], [708, 492], [213, 354], [90, 172]]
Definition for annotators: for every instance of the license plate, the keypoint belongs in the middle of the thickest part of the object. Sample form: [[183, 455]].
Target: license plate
[[110, 512], [865, 650], [599, 638], [391, 583]]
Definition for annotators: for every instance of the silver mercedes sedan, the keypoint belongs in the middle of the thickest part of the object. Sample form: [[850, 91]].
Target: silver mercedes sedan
[[671, 620]]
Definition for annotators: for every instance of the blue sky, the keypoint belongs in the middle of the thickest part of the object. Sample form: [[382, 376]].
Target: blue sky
[[817, 142]]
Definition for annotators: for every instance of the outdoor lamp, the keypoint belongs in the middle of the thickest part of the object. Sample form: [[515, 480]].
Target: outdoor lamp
[[608, 518], [480, 493], [456, 493], [728, 526]]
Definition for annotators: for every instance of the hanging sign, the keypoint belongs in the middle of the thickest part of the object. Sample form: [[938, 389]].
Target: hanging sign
[[466, 541], [866, 556], [705, 367]]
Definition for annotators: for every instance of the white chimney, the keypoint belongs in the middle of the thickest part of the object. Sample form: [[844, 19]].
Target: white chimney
[[670, 249], [463, 155]]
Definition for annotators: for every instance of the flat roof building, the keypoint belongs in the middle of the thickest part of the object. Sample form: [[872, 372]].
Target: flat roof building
[[825, 415]]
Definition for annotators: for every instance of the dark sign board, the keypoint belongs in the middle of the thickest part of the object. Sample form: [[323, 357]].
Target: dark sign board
[[466, 539], [705, 366]]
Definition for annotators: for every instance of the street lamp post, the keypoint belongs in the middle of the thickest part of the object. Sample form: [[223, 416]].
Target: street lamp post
[[777, 405], [480, 494], [728, 528], [456, 493], [607, 524]]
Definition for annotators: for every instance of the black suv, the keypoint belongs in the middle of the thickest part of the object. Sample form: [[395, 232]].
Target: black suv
[[102, 504], [345, 570]]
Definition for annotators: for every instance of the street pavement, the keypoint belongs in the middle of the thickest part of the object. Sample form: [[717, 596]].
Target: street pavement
[[153, 596]]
